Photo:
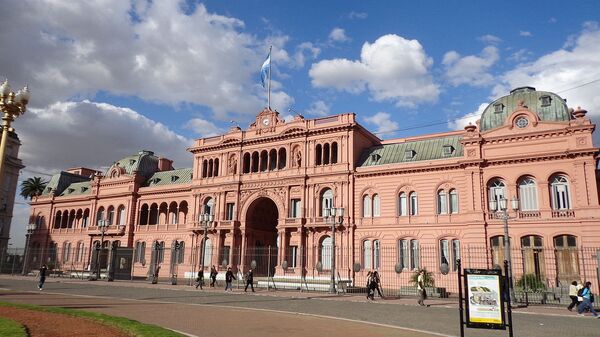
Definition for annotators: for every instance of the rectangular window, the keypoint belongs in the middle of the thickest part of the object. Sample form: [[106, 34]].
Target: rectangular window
[[444, 252], [442, 203], [414, 261], [402, 205], [455, 253], [174, 218], [295, 209], [225, 252], [292, 256], [413, 204], [453, 202], [403, 253], [230, 211]]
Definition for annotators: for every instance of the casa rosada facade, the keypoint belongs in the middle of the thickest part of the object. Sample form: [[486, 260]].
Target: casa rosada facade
[[269, 186]]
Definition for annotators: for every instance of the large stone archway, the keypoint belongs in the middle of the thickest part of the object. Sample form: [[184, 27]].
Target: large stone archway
[[262, 217]]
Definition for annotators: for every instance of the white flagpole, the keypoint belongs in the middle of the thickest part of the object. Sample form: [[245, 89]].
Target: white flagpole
[[269, 89]]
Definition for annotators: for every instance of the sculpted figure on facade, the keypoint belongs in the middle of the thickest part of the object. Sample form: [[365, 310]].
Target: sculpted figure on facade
[[232, 165]]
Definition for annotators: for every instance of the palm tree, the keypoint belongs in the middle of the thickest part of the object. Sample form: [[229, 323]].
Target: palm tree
[[32, 187]]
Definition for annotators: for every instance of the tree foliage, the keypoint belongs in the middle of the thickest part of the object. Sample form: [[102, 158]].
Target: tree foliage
[[32, 187]]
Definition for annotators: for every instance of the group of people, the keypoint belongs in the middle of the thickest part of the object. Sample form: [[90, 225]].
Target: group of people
[[229, 277], [582, 297], [373, 283]]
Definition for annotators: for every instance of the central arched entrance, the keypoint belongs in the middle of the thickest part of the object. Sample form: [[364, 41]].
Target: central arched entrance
[[262, 241]]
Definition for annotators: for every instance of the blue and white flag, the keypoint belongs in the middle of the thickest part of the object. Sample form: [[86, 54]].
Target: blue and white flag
[[265, 70]]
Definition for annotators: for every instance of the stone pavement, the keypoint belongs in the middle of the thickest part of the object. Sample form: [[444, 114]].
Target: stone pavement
[[273, 313]]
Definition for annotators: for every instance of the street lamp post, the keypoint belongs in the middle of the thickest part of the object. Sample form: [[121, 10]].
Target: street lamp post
[[334, 217], [103, 226], [206, 219], [30, 229], [501, 208], [11, 106]]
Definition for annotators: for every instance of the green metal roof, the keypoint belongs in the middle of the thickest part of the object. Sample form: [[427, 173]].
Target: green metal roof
[[173, 177], [81, 188], [145, 162], [427, 149], [60, 181], [556, 110]]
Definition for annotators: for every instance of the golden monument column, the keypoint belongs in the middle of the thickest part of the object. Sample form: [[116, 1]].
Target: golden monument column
[[11, 106]]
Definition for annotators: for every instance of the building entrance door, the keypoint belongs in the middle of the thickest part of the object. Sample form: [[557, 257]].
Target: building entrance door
[[262, 238]]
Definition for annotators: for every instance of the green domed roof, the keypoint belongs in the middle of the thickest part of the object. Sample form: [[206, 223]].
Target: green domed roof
[[549, 107]]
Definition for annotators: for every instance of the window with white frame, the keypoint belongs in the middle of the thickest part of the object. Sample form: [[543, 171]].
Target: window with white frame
[[230, 211], [497, 190], [66, 253], [444, 252], [402, 204], [367, 255], [209, 206], [100, 215], [442, 202], [181, 252], [326, 251], [414, 207], [528, 197], [121, 215], [140, 252], [403, 253], [80, 252], [455, 253], [376, 206], [450, 252], [110, 215], [292, 256], [366, 206], [453, 201], [326, 200], [561, 198], [415, 262], [296, 209]]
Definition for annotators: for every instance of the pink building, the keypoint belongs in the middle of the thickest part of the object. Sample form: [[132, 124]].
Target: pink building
[[409, 203]]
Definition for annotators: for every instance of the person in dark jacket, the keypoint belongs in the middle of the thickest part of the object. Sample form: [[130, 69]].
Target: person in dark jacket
[[42, 277], [229, 277], [249, 280], [213, 276], [200, 279]]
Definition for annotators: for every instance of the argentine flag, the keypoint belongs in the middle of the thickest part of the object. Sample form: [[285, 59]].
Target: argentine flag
[[265, 70]]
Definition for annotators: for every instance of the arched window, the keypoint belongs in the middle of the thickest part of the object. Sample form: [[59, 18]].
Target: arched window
[[246, 162], [326, 200], [497, 190], [216, 168], [110, 215], [121, 216], [402, 205], [99, 214], [209, 206], [408, 253], [204, 168], [57, 219], [334, 153], [366, 206], [414, 206], [272, 160], [326, 154], [181, 253], [66, 251], [561, 198], [144, 215], [567, 258], [376, 206], [528, 194], [318, 154], [450, 252], [282, 159], [533, 256], [453, 201], [80, 252], [153, 214], [264, 158], [173, 213], [208, 250], [140, 252], [210, 168], [71, 219], [367, 255], [442, 202], [326, 251], [255, 161]]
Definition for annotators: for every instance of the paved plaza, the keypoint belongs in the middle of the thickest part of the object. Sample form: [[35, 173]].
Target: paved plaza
[[215, 313]]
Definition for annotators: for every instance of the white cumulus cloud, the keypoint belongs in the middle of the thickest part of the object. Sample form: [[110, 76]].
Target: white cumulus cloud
[[319, 108], [392, 69], [470, 69], [383, 122], [338, 35]]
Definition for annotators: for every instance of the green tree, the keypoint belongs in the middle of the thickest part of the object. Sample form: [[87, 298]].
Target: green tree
[[32, 187], [427, 277]]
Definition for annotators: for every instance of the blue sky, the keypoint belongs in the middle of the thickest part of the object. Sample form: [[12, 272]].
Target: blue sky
[[111, 77]]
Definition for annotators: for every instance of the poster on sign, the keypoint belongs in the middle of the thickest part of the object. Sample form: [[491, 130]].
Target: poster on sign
[[485, 305]]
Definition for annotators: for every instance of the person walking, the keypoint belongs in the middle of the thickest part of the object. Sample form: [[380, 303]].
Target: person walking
[[377, 285], [370, 286], [42, 277], [213, 276], [421, 288], [249, 280], [229, 277], [200, 279], [587, 296], [573, 289]]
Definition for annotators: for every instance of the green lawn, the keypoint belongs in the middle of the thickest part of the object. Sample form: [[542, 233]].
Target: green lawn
[[131, 327], [8, 327]]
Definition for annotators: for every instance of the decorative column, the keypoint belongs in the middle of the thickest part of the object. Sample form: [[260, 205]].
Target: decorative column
[[243, 250]]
